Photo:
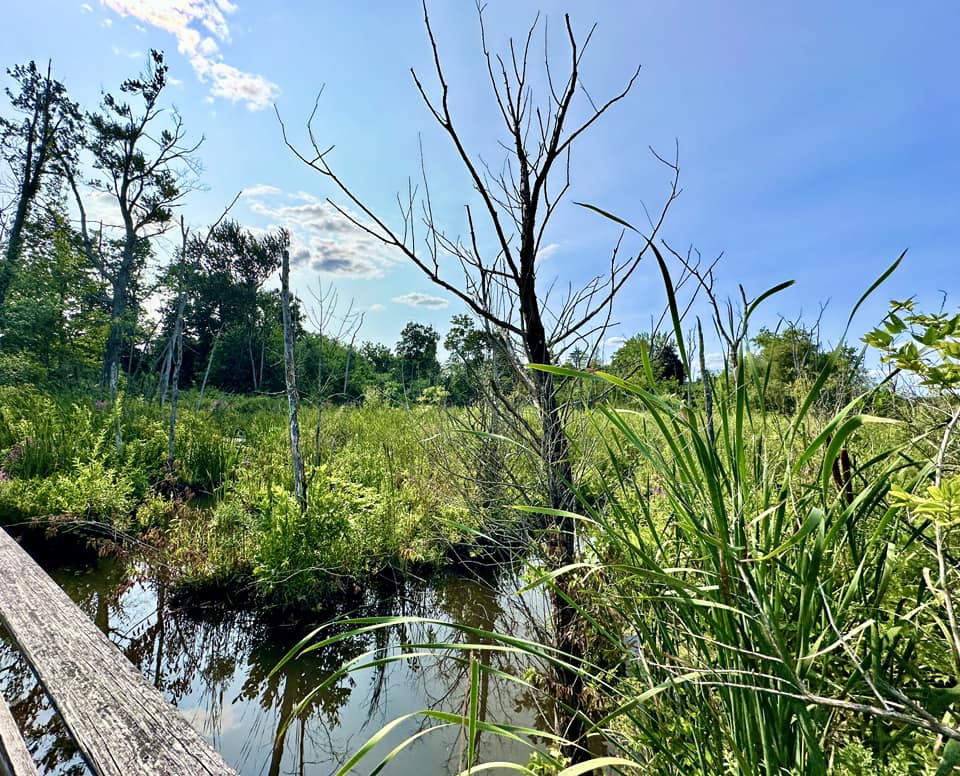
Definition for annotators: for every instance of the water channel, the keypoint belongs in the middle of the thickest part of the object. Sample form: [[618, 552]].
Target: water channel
[[214, 664]]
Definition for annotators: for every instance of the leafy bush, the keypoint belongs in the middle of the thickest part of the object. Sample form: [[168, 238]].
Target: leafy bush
[[21, 368], [89, 491], [294, 550]]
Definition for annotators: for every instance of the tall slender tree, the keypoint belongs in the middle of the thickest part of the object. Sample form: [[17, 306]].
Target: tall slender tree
[[148, 173], [290, 377], [48, 134]]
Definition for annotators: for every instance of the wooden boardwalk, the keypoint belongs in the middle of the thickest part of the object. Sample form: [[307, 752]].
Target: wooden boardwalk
[[121, 723], [14, 758]]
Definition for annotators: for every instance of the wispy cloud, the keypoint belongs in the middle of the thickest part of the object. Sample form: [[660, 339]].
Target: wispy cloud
[[418, 299], [120, 52], [614, 342], [261, 190], [108, 23], [102, 208], [322, 239], [713, 361], [377, 308], [86, 8], [547, 251], [200, 27]]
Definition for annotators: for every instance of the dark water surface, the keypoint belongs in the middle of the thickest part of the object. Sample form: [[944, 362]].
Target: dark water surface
[[215, 665]]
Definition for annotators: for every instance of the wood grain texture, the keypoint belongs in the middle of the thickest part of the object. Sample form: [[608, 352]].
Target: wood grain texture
[[121, 723], [15, 760]]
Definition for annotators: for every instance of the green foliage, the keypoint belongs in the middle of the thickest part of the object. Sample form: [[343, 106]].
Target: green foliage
[[21, 368], [792, 359], [228, 315], [754, 593], [207, 450], [661, 352], [925, 344], [89, 490], [42, 141], [417, 353], [51, 320], [434, 396]]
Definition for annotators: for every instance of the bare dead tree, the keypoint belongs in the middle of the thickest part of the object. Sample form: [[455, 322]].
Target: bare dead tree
[[517, 204], [500, 285], [293, 399]]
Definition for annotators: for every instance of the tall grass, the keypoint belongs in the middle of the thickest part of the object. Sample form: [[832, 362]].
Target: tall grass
[[750, 599]]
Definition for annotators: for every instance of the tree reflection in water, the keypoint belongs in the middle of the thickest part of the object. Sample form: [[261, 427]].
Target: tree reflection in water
[[217, 666]]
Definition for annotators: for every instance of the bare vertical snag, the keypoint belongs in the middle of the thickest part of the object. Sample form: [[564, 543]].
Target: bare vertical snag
[[293, 399], [494, 272]]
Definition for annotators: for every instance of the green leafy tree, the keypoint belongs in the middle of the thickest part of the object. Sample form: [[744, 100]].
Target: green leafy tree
[[468, 348], [379, 356], [792, 358], [146, 172], [417, 353], [54, 314], [226, 301], [665, 363], [324, 360]]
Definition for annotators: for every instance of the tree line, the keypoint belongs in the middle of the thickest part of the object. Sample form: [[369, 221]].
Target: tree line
[[73, 288]]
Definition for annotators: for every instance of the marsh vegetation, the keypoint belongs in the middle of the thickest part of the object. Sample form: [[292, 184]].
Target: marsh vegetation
[[578, 563]]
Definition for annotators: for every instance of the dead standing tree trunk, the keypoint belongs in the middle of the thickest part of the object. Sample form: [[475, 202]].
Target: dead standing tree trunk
[[499, 285], [293, 400]]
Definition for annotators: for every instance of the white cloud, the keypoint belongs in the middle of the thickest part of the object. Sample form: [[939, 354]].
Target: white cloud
[[376, 308], [316, 216], [341, 258], [102, 208], [713, 361], [418, 299], [139, 28], [212, 721], [614, 342], [261, 190], [108, 23], [208, 47], [86, 8], [547, 251], [323, 239], [181, 18], [120, 52]]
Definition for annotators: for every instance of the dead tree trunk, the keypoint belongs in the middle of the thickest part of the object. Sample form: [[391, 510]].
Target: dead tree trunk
[[293, 400], [175, 390], [206, 372], [500, 285], [175, 351]]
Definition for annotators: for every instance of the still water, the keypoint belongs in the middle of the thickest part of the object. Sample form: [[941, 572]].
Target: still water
[[214, 664]]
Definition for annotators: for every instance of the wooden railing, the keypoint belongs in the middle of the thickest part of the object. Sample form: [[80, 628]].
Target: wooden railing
[[122, 725]]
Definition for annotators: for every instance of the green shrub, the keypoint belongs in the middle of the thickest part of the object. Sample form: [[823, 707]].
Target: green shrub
[[90, 491]]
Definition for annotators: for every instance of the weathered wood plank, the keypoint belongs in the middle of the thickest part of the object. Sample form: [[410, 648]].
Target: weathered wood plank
[[15, 760], [121, 723]]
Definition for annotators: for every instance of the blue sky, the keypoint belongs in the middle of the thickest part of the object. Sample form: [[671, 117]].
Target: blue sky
[[817, 140]]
